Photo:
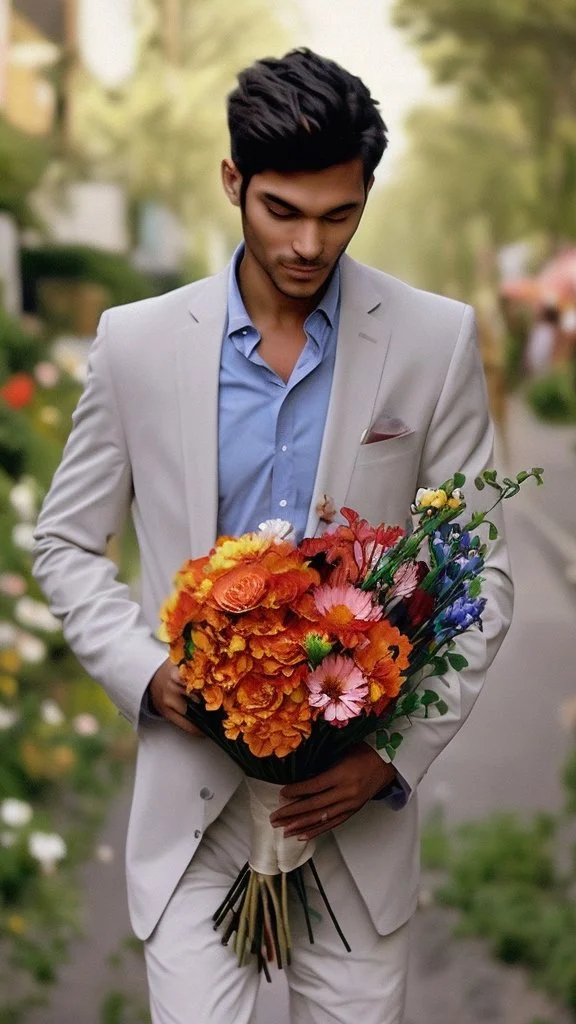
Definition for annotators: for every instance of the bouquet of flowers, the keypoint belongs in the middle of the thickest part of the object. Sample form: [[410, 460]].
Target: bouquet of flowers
[[292, 654]]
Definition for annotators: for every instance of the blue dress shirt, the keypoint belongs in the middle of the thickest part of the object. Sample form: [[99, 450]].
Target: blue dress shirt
[[269, 430]]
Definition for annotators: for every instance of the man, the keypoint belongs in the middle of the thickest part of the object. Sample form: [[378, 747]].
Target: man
[[295, 381]]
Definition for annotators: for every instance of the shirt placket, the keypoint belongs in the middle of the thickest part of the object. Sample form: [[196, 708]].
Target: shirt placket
[[283, 491]]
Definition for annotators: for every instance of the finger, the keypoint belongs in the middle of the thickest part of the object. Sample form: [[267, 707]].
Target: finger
[[184, 724], [177, 702], [297, 790], [299, 808], [327, 826], [318, 818]]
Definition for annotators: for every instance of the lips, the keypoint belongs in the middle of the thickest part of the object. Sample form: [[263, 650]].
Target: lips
[[303, 271]]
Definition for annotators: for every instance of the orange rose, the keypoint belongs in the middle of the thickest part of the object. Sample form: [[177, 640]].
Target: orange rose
[[241, 589], [258, 696]]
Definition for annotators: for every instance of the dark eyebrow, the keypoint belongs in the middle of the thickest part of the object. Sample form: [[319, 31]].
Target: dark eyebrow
[[271, 198]]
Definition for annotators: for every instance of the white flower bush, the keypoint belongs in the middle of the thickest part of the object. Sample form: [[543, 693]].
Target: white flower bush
[[47, 374], [24, 499], [30, 648], [35, 615], [8, 717], [23, 536], [51, 713], [86, 724], [8, 634], [48, 848], [15, 813]]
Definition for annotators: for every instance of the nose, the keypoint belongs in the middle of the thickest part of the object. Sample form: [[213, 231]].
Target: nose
[[309, 244]]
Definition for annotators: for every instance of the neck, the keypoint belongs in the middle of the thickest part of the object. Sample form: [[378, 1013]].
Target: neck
[[262, 299]]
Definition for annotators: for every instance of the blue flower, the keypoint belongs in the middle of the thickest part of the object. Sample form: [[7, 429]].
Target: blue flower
[[457, 553], [459, 616]]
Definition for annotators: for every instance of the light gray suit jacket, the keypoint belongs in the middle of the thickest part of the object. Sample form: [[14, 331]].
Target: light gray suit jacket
[[145, 438]]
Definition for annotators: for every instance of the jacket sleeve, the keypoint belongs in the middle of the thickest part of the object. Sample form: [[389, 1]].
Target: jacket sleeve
[[87, 503], [460, 438]]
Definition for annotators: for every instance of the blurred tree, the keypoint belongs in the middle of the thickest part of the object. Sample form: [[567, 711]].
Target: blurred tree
[[23, 160], [464, 188], [521, 51], [164, 131]]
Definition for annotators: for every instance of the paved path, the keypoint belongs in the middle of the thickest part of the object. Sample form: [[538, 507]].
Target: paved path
[[507, 756]]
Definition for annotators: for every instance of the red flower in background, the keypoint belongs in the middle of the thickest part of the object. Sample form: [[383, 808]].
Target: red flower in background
[[18, 391]]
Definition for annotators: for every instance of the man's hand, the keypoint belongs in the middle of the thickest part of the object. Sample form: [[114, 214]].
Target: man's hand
[[329, 799], [168, 697]]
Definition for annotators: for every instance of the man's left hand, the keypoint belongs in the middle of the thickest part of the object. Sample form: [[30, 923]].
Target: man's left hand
[[320, 804]]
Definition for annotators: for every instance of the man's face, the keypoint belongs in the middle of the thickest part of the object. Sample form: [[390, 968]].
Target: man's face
[[297, 225]]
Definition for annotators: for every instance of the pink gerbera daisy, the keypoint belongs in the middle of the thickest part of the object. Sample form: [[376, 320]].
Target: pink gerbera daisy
[[338, 688], [344, 604]]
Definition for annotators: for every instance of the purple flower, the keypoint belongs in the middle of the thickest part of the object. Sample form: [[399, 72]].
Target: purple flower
[[459, 616]]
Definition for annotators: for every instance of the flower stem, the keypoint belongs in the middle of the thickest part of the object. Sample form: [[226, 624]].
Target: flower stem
[[322, 892]]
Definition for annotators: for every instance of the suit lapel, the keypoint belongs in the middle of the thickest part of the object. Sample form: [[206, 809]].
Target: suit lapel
[[363, 340], [197, 367]]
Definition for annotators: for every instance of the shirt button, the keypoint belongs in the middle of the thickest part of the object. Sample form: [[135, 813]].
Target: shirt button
[[197, 833], [284, 447], [205, 793], [283, 503]]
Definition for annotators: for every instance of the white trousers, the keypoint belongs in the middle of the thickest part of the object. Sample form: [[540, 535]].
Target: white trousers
[[193, 979]]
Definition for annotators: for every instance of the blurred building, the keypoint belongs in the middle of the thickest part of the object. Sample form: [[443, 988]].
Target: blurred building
[[32, 37]]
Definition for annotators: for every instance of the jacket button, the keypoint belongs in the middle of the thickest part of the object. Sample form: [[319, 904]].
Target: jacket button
[[205, 793], [197, 833]]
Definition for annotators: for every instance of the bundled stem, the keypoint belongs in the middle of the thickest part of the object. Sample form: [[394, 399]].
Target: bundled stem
[[259, 916]]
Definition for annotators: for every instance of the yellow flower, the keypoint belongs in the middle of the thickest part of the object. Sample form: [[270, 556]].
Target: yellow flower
[[8, 686], [231, 551], [9, 660], [16, 924], [440, 499], [427, 498]]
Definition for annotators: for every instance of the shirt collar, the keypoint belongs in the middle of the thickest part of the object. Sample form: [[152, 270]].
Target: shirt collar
[[239, 320]]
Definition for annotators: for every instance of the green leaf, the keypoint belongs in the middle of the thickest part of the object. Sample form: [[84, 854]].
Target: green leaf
[[439, 666], [395, 740], [489, 476], [382, 739], [459, 479], [189, 645], [458, 661], [479, 483], [493, 532], [429, 697], [408, 704], [441, 707], [475, 586], [521, 477]]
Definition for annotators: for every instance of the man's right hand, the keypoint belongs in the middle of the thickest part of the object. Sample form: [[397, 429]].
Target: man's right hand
[[168, 698]]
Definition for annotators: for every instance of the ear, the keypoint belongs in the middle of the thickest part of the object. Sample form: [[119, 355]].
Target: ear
[[232, 181]]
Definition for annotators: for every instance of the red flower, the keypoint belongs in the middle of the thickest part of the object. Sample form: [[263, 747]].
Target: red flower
[[18, 391]]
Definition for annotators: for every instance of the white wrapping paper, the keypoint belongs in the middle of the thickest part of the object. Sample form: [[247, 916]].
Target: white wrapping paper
[[270, 852]]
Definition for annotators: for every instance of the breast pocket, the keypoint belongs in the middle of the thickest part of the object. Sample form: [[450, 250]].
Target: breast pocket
[[379, 451], [383, 483]]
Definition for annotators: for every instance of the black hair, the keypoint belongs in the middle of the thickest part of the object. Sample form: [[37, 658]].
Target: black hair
[[302, 112]]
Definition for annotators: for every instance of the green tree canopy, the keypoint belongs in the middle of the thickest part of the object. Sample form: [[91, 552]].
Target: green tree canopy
[[164, 132]]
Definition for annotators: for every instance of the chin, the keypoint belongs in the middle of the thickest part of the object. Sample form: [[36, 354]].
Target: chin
[[300, 289]]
